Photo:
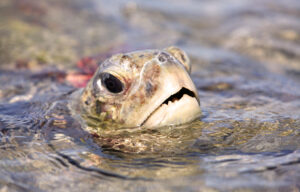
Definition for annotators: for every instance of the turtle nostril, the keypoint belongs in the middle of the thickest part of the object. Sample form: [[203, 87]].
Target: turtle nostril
[[177, 96]]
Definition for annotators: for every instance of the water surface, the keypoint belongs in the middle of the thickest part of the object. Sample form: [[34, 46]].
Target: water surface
[[246, 65]]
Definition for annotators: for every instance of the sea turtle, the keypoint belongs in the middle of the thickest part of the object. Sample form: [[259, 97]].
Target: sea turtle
[[141, 89]]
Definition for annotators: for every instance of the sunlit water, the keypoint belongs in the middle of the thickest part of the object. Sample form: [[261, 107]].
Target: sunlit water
[[245, 57]]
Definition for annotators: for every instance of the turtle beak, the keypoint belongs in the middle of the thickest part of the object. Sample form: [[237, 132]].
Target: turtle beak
[[174, 100], [179, 108], [177, 100]]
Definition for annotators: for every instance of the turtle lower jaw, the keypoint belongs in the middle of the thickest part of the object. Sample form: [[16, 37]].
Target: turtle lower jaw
[[179, 108]]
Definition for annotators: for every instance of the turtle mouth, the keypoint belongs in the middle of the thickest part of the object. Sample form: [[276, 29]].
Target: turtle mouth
[[177, 96], [181, 107]]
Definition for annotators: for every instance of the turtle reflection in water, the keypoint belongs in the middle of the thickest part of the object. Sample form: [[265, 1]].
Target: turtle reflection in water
[[136, 91]]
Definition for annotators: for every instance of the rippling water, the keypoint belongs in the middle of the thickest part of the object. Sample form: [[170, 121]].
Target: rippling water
[[246, 65]]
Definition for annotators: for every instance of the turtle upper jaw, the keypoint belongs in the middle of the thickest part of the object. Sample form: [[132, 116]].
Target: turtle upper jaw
[[175, 102], [181, 107]]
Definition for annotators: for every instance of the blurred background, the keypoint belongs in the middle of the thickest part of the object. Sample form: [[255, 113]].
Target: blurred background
[[62, 32]]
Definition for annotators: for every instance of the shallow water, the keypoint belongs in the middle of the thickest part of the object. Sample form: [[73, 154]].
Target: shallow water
[[246, 65]]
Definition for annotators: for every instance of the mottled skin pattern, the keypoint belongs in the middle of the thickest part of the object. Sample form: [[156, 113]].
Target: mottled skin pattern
[[149, 77]]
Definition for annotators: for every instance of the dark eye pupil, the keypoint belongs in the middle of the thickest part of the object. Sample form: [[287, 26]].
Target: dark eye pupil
[[111, 83]]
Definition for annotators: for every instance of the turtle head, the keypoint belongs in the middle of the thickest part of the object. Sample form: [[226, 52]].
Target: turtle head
[[142, 88]]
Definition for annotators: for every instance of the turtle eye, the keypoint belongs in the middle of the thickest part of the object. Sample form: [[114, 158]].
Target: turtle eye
[[112, 83]]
